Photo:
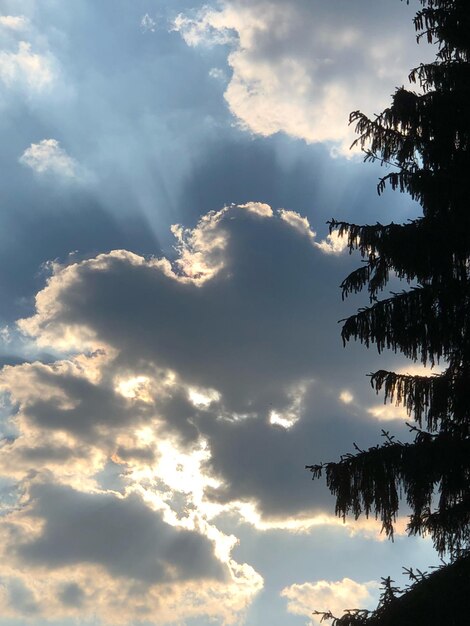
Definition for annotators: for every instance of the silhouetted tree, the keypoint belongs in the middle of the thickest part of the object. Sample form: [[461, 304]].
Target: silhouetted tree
[[439, 599], [425, 137]]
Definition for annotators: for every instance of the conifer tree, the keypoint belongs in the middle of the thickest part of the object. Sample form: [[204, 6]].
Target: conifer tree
[[425, 137]]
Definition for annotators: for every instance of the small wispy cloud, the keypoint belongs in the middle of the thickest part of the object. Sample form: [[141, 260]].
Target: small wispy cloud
[[47, 157], [217, 74], [206, 28], [148, 24]]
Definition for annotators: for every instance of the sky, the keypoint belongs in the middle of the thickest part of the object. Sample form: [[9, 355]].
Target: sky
[[169, 339]]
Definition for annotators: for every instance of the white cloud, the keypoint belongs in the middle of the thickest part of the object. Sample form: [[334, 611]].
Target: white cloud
[[417, 369], [33, 70], [206, 28], [346, 396], [387, 412], [301, 224], [136, 387], [48, 158], [201, 250], [203, 397], [324, 595], [14, 22], [258, 208], [365, 527], [333, 244], [301, 69], [293, 411], [5, 334]]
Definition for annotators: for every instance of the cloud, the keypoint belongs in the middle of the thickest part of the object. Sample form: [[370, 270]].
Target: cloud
[[217, 74], [301, 224], [295, 65], [336, 597], [33, 70], [184, 388], [72, 595], [48, 158], [148, 24], [333, 244], [231, 272], [206, 28], [69, 553], [14, 22], [346, 397], [388, 412], [20, 598], [161, 367], [223, 348], [124, 536]]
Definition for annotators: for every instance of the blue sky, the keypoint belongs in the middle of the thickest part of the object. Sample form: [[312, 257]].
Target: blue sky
[[169, 339]]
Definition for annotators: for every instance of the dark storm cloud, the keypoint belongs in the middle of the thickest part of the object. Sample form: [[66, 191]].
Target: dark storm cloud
[[266, 320], [122, 535], [262, 325], [72, 595], [50, 453], [266, 463], [87, 408]]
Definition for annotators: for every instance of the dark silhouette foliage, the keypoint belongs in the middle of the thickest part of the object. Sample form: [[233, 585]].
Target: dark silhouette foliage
[[438, 598], [425, 137]]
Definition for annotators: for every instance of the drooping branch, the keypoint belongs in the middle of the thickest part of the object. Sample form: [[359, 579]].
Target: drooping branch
[[438, 402], [423, 250], [373, 481], [425, 324]]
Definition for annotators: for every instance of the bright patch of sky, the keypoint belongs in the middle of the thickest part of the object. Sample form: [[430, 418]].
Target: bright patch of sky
[[171, 356]]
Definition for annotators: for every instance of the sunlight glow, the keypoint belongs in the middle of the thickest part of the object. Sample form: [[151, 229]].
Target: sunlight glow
[[387, 412], [346, 396], [135, 388], [366, 527], [279, 420], [202, 398]]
